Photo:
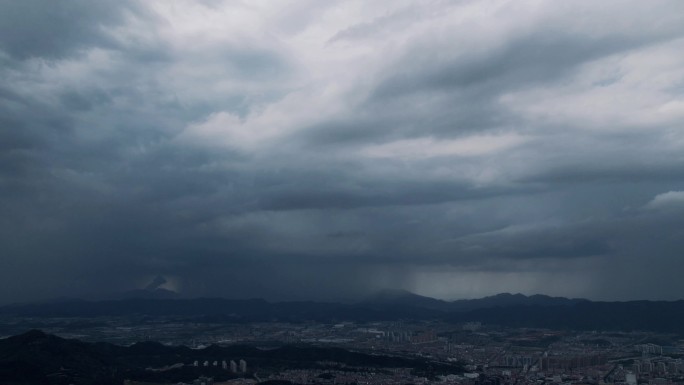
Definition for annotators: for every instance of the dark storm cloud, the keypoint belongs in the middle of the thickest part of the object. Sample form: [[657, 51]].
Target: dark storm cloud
[[249, 152], [56, 29]]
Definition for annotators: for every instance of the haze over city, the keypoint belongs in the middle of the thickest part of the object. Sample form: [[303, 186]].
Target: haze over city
[[331, 149]]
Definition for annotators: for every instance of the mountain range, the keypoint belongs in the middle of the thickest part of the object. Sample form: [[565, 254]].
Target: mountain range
[[407, 298], [515, 310]]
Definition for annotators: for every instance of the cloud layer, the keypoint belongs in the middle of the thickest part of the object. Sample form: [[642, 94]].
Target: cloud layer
[[328, 149]]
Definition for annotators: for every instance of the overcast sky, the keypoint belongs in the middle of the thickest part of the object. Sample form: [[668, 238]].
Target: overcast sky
[[328, 149]]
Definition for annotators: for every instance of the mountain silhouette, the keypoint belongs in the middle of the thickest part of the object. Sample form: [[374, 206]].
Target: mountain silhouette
[[515, 310]]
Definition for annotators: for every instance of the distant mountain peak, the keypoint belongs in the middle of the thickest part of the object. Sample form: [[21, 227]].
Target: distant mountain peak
[[33, 334], [511, 295], [34, 337]]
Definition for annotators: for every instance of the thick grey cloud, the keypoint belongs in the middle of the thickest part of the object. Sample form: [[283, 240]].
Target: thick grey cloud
[[314, 150], [57, 29]]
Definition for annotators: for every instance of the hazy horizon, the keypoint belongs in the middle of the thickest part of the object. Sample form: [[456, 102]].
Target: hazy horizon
[[323, 150], [139, 293], [349, 300]]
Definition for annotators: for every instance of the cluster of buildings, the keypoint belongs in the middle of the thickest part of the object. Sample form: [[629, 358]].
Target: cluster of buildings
[[659, 366], [517, 361], [410, 336], [231, 365], [571, 362]]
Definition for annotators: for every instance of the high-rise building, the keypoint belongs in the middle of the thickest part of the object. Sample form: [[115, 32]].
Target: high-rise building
[[233, 366], [646, 366], [243, 366], [630, 379], [672, 367]]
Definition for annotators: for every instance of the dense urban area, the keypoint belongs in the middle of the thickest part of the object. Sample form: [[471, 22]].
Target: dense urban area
[[469, 353]]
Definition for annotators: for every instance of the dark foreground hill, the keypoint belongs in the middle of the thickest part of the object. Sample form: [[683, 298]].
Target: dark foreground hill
[[38, 358], [515, 310]]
